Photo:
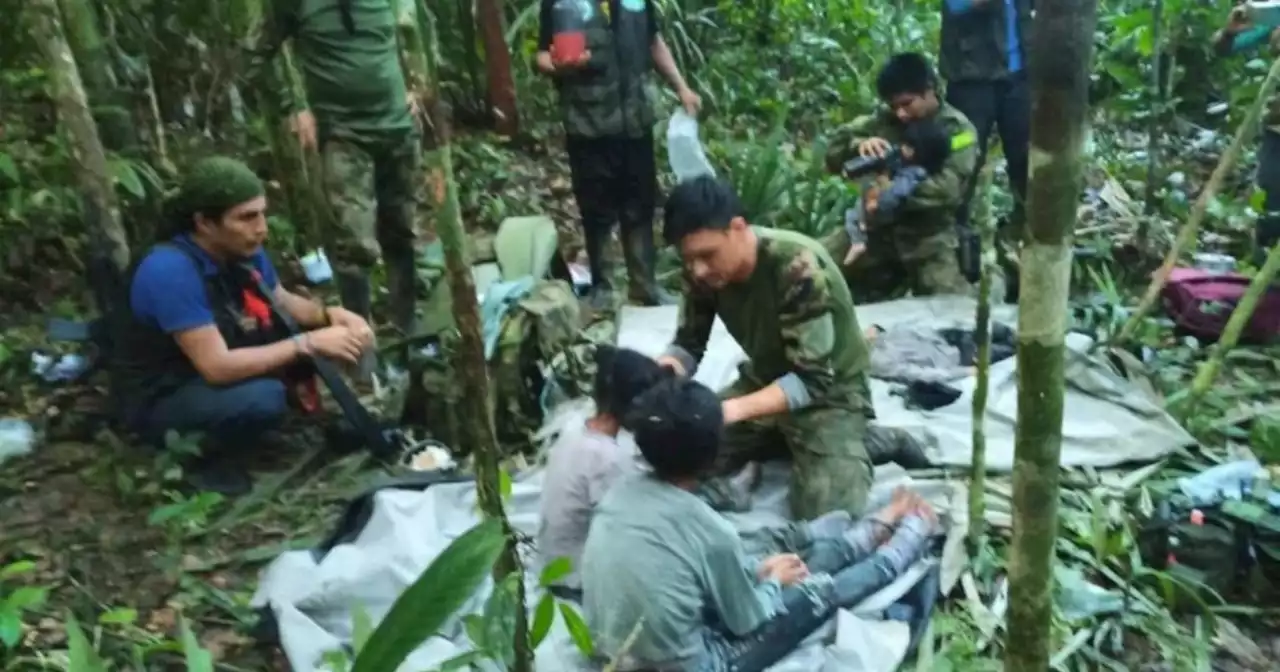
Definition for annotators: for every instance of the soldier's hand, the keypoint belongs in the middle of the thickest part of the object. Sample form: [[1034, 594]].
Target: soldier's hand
[[876, 147], [337, 343], [304, 125]]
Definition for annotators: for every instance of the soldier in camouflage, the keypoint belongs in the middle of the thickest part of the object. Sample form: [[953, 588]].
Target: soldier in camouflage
[[803, 392], [360, 116], [1240, 35], [608, 118], [917, 249]]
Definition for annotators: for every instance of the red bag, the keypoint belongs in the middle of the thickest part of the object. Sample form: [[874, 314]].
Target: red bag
[[1200, 303]]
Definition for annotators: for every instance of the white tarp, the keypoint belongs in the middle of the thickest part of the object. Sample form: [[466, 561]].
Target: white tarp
[[313, 601], [1109, 421]]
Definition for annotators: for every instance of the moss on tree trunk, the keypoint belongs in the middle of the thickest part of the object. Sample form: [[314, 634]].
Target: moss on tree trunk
[[1061, 49], [89, 159], [108, 100]]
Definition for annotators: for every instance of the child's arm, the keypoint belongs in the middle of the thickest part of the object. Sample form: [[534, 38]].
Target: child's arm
[[740, 601], [903, 184]]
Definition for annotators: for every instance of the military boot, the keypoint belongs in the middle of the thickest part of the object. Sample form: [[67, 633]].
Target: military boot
[[357, 297], [402, 286], [596, 239], [641, 257]]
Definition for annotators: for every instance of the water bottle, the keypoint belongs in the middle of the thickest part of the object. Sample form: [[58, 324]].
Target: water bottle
[[569, 20]]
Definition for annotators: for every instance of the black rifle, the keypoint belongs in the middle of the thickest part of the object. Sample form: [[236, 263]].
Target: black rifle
[[385, 443]]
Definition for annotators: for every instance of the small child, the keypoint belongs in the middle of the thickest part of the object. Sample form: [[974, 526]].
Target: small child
[[925, 148], [586, 459]]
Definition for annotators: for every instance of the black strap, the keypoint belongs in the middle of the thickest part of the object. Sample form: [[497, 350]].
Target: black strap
[[376, 440]]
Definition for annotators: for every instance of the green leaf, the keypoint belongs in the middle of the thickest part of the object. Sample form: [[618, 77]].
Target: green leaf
[[16, 568], [198, 659], [81, 655], [577, 629], [26, 597], [10, 629], [8, 168], [121, 616], [466, 660], [442, 589], [127, 177], [361, 627], [543, 617], [554, 571], [504, 485]]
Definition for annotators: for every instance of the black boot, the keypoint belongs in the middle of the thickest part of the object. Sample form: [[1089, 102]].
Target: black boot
[[641, 257], [402, 286], [596, 238], [357, 297]]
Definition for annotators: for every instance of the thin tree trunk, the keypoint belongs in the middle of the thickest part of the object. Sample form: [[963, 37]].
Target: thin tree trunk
[[89, 159], [469, 361], [1187, 236], [1153, 122], [1061, 49], [1240, 317], [982, 337], [497, 62], [107, 99]]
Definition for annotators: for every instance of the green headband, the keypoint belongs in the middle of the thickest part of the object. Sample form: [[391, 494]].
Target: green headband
[[217, 184]]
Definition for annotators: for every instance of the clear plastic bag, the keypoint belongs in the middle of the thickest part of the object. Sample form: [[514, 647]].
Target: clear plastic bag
[[684, 150]]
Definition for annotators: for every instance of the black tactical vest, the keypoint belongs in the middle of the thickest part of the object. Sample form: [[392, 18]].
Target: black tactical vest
[[609, 96], [973, 43], [148, 364]]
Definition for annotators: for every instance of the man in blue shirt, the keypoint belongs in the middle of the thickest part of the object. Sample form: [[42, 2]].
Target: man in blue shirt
[[201, 350], [983, 60], [1240, 35]]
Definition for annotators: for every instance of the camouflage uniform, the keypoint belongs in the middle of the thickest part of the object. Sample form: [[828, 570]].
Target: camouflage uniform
[[794, 317], [916, 250], [370, 145]]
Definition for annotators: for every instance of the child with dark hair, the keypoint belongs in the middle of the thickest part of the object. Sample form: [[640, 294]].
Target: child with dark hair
[[586, 459], [924, 149], [660, 556]]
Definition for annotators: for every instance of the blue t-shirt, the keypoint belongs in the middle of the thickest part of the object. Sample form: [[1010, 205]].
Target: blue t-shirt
[[168, 290]]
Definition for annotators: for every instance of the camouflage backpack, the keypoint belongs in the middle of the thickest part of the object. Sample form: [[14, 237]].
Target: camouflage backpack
[[522, 342]]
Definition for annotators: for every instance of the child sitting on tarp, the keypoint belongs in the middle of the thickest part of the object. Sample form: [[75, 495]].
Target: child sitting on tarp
[[659, 555], [585, 460], [924, 149]]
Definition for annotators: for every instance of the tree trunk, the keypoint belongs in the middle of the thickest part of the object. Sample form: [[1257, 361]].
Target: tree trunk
[[497, 63], [89, 159], [982, 337], [472, 372], [108, 100], [1061, 49]]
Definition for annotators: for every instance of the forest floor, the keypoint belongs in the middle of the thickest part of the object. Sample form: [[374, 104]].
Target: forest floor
[[107, 532]]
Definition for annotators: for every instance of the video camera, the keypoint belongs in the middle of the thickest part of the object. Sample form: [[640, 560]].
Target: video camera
[[865, 165]]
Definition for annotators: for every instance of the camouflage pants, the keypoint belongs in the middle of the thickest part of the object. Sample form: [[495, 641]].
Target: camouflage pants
[[891, 268], [375, 193], [830, 468]]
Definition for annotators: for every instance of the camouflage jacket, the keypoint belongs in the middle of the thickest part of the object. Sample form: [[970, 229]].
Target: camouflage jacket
[[611, 95], [931, 208], [974, 44], [794, 315]]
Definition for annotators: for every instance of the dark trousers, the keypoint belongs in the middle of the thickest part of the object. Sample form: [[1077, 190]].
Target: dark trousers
[[1267, 230], [615, 181], [1004, 104], [230, 416]]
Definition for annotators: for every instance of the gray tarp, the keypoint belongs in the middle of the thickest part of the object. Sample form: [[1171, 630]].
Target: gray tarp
[[1109, 421]]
